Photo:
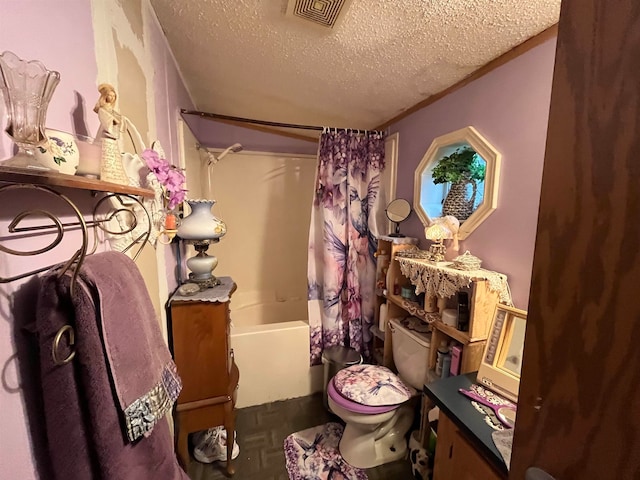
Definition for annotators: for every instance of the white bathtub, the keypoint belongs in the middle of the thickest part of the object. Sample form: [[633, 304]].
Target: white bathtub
[[273, 360]]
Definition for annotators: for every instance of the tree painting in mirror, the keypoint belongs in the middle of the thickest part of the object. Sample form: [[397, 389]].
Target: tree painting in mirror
[[453, 185]]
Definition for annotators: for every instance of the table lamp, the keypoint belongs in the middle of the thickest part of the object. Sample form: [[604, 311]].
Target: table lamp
[[441, 229], [201, 229]]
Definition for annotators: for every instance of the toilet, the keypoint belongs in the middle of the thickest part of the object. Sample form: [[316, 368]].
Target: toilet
[[374, 402]]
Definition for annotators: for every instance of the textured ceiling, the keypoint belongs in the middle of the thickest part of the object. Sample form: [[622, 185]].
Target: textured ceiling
[[246, 58]]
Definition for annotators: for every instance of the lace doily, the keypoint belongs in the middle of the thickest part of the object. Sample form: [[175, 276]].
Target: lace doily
[[446, 282], [489, 417]]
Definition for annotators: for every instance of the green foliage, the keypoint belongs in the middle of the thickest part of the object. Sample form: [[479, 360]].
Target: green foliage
[[462, 164]]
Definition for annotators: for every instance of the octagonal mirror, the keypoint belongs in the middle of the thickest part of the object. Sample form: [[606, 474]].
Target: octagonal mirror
[[459, 176]]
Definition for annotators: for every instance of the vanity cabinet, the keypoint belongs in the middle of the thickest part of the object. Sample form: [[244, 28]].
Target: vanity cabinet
[[456, 458], [485, 290], [464, 447], [199, 340]]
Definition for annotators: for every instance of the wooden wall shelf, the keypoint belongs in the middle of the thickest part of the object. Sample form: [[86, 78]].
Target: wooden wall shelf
[[56, 179]]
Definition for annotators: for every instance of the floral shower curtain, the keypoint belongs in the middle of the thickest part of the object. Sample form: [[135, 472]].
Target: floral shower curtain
[[341, 270]]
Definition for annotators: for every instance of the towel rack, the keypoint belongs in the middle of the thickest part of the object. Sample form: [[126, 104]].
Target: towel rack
[[118, 199]]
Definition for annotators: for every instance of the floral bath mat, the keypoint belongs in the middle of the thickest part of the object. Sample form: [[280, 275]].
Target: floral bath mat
[[313, 454]]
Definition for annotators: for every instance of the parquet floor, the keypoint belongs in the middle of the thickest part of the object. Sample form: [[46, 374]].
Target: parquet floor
[[261, 432]]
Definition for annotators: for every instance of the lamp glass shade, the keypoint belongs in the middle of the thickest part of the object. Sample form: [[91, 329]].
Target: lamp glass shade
[[437, 231], [201, 224]]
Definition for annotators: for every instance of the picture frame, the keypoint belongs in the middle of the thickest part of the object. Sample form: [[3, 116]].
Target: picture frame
[[502, 357]]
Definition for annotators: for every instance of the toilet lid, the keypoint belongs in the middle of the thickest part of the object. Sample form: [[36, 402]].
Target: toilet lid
[[353, 406], [371, 385]]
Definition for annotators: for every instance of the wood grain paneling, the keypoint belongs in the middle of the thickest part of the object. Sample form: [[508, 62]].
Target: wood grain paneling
[[200, 343], [579, 405], [472, 356], [456, 458]]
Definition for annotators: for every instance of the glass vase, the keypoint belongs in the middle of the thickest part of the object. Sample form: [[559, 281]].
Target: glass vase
[[27, 89]]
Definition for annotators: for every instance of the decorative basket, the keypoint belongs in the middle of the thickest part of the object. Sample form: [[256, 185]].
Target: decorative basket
[[466, 261]]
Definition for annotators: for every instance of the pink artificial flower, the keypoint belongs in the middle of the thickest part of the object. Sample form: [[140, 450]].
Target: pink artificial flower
[[175, 180], [152, 159], [176, 198], [159, 166], [169, 176]]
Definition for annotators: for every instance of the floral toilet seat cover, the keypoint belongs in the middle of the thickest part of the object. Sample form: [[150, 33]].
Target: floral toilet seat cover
[[371, 385]]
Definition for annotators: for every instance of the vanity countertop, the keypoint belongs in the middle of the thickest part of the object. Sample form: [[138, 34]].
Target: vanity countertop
[[444, 393]]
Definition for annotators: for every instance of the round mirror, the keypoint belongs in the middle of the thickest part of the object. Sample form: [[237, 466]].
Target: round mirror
[[398, 211]]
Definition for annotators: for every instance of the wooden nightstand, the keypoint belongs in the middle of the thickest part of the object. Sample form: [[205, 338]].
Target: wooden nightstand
[[199, 341]]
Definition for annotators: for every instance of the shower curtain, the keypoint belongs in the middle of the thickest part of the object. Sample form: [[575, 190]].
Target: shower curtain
[[341, 270]]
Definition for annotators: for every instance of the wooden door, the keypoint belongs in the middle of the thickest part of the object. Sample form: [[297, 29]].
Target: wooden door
[[456, 459], [579, 404]]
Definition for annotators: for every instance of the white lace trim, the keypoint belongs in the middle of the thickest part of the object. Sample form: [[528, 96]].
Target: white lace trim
[[445, 282]]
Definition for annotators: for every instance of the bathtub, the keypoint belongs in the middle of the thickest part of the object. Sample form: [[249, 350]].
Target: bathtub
[[273, 360]]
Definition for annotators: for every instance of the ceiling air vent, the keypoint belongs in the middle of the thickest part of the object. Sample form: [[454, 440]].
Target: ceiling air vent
[[326, 13]]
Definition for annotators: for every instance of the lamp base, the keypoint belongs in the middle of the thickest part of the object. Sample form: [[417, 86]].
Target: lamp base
[[202, 266], [437, 251], [205, 283]]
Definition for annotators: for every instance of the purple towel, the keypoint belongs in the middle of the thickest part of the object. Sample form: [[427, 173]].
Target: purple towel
[[104, 410]]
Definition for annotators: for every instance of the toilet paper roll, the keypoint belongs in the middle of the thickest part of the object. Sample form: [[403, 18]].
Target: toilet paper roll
[[450, 317], [382, 324]]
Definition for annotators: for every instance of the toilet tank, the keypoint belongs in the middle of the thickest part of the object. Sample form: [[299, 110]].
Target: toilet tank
[[411, 342]]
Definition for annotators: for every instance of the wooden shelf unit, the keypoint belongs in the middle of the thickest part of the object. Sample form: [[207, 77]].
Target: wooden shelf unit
[[482, 303], [382, 342]]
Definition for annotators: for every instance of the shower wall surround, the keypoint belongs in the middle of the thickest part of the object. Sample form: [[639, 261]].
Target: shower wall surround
[[265, 200]]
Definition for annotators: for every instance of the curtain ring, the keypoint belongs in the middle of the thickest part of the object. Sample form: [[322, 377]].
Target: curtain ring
[[56, 344]]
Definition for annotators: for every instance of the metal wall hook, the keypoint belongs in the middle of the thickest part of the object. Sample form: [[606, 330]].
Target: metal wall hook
[[74, 263], [143, 237], [56, 345], [58, 225], [13, 228]]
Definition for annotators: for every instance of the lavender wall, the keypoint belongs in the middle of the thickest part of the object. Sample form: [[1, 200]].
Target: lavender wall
[[61, 35], [171, 96], [61, 38], [63, 41], [220, 135], [510, 107]]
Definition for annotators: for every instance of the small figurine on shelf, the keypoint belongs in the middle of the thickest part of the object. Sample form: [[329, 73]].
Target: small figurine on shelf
[[113, 128]]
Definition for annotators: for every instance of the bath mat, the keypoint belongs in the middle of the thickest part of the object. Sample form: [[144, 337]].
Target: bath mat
[[313, 454]]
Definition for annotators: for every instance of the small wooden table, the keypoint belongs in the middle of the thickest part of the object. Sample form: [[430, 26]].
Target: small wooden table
[[199, 340]]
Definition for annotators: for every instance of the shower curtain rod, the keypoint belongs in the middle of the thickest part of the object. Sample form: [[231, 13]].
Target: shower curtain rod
[[250, 120], [270, 124]]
